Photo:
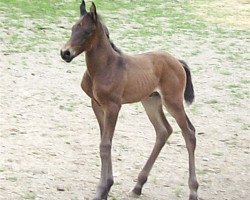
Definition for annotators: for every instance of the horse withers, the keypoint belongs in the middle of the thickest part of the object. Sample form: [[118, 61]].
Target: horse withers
[[113, 78]]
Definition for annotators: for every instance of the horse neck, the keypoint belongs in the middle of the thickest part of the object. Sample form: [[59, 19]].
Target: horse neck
[[100, 53]]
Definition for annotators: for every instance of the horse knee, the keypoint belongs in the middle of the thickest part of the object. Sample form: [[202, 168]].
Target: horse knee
[[110, 182], [190, 139], [190, 124], [105, 149], [162, 136]]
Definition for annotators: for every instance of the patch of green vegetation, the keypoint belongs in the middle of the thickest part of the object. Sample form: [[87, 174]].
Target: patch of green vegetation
[[157, 17], [74, 198], [225, 72], [115, 5], [70, 107], [29, 23], [245, 127], [218, 154], [237, 120], [212, 101], [201, 172], [29, 195], [178, 192], [218, 87], [40, 9], [195, 108], [114, 198], [136, 19], [238, 91], [245, 81], [234, 86], [11, 178]]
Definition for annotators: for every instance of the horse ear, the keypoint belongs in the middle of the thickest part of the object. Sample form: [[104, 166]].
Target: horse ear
[[83, 8], [93, 12]]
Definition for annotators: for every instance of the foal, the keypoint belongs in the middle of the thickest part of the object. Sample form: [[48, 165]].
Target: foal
[[113, 78]]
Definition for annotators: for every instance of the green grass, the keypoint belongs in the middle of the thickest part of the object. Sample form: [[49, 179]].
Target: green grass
[[245, 127], [196, 108], [218, 154], [31, 23], [40, 9], [145, 19], [179, 192], [239, 90], [29, 195], [201, 172], [11, 178]]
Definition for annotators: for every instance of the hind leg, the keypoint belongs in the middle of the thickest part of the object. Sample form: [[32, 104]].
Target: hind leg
[[176, 109], [153, 107]]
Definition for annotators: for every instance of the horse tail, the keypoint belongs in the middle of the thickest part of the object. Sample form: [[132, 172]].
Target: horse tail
[[189, 90]]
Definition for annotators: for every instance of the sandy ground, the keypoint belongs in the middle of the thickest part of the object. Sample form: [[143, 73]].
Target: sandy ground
[[49, 136]]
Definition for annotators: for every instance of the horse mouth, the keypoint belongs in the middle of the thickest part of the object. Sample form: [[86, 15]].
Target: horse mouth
[[68, 60]]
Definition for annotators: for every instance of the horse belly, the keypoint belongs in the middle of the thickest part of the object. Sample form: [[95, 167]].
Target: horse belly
[[139, 88]]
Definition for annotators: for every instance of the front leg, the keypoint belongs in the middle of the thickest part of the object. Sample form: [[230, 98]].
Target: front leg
[[110, 114], [99, 114]]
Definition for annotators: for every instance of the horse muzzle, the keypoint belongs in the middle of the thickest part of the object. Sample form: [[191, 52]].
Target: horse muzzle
[[67, 55]]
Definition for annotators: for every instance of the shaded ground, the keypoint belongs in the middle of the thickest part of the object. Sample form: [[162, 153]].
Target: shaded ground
[[48, 133]]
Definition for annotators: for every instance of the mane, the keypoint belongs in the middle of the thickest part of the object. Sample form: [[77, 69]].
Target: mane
[[105, 28]]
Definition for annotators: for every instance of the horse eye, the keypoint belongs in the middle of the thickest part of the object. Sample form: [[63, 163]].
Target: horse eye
[[88, 32]]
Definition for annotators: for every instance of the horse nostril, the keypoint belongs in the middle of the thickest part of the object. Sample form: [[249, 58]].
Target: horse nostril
[[67, 53]]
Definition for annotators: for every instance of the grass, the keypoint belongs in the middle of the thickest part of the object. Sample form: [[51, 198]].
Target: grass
[[225, 72], [145, 19], [40, 9], [212, 101], [245, 127], [11, 178], [31, 23], [218, 154], [201, 172], [178, 192], [234, 13], [196, 108], [239, 91], [29, 195]]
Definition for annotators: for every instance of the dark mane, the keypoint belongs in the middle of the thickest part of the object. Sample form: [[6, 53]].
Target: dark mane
[[111, 43], [115, 47]]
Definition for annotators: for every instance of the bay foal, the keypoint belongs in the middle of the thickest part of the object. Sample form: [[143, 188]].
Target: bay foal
[[113, 78]]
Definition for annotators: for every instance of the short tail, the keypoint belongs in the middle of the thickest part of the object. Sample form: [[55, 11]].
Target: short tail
[[189, 90]]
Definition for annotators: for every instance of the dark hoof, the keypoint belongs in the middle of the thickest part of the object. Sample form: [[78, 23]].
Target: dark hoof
[[193, 197], [135, 193]]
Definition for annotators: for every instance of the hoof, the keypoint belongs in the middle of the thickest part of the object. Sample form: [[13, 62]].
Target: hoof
[[132, 194], [193, 197]]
